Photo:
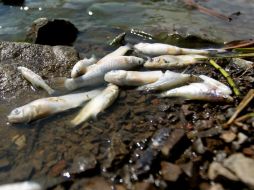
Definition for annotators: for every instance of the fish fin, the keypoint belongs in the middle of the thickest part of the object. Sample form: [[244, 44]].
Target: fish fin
[[58, 83]]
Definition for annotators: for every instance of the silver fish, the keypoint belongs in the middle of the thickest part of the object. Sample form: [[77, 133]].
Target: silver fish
[[170, 80], [44, 107], [80, 67], [122, 50], [199, 91], [222, 88], [132, 78], [26, 185], [95, 73], [97, 104], [171, 61], [155, 49], [35, 79]]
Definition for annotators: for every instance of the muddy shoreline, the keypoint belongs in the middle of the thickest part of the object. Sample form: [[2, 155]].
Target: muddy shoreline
[[141, 142]]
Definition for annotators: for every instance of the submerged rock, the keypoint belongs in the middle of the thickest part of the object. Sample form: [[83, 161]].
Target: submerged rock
[[52, 32], [13, 2], [47, 61]]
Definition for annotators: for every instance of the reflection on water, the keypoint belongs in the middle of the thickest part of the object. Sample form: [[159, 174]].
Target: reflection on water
[[145, 15]]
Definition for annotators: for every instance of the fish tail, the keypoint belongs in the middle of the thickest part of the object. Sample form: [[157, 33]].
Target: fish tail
[[58, 83], [51, 91], [80, 118]]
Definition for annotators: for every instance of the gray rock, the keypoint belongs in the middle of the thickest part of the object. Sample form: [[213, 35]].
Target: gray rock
[[52, 32], [242, 166], [47, 61]]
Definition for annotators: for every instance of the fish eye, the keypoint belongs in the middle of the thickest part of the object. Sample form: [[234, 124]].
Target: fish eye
[[16, 111]]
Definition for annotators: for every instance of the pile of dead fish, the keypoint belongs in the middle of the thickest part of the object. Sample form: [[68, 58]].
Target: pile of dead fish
[[115, 68]]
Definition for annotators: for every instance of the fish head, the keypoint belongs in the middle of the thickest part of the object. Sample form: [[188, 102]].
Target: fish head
[[135, 60], [19, 115], [116, 76]]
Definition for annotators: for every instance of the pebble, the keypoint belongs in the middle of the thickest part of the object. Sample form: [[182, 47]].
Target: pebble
[[19, 140], [174, 138], [57, 169], [216, 169], [242, 166], [228, 136], [198, 146], [170, 172]]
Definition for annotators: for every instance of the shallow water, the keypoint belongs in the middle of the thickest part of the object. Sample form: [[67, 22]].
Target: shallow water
[[51, 140]]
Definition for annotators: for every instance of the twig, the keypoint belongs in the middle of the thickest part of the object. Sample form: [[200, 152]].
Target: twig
[[245, 101], [207, 11], [227, 76], [244, 117]]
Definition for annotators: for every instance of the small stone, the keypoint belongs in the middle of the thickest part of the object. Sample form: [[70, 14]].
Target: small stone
[[187, 168], [216, 169], [4, 163], [216, 186], [170, 172], [249, 151], [58, 168], [242, 166], [144, 186], [19, 140], [83, 163], [198, 146], [174, 138], [228, 136]]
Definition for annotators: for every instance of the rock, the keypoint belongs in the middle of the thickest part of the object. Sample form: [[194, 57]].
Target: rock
[[216, 186], [96, 183], [58, 168], [175, 144], [216, 169], [52, 32], [4, 164], [198, 146], [170, 172], [144, 186], [22, 172], [228, 136], [188, 168], [47, 61], [241, 138], [19, 140], [13, 2], [242, 166], [83, 163]]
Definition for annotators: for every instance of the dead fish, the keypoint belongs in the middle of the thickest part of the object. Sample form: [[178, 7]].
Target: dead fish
[[171, 61], [122, 50], [132, 78], [80, 67], [26, 185], [35, 79], [199, 91], [44, 107], [155, 49], [222, 88], [95, 73], [97, 104], [170, 80]]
